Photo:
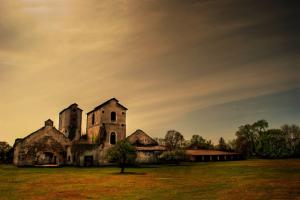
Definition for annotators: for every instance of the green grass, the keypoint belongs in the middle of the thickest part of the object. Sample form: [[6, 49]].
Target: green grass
[[250, 179]]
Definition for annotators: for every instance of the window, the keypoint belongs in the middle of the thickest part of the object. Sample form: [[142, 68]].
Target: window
[[93, 119], [113, 116], [113, 138]]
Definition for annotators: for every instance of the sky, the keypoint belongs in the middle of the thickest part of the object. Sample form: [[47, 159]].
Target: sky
[[198, 66]]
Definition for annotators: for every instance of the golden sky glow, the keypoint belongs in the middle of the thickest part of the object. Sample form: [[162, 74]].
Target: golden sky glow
[[164, 60]]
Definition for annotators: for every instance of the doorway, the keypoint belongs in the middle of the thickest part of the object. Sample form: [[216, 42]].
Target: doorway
[[88, 161]]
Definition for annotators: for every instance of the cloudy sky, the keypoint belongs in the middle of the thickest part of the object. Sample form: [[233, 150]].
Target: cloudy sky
[[198, 66]]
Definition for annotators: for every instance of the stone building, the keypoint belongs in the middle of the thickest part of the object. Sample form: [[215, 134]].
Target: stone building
[[46, 146], [148, 150], [106, 124], [70, 122]]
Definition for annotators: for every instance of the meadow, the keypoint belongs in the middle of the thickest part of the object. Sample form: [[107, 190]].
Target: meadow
[[249, 179]]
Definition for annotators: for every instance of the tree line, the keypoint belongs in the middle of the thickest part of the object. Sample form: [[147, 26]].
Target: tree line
[[257, 140], [252, 140]]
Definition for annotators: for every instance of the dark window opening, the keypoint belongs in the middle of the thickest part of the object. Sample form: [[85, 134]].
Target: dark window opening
[[113, 138], [102, 111], [93, 119], [88, 161], [69, 158], [123, 113], [113, 116]]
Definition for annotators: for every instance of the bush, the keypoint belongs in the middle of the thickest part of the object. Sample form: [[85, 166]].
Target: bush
[[174, 157]]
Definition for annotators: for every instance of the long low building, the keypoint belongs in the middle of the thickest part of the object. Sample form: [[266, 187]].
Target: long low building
[[211, 155]]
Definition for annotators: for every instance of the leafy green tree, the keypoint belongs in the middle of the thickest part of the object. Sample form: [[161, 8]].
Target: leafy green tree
[[4, 150], [122, 153], [248, 137], [173, 139], [260, 126], [272, 144], [209, 145], [198, 142], [292, 136]]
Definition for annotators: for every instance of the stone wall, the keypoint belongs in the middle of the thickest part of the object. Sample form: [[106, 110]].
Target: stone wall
[[70, 120], [45, 146], [102, 118]]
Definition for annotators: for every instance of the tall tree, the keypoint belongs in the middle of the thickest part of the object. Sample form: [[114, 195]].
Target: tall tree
[[173, 139], [4, 150], [248, 135], [198, 142], [272, 144], [123, 153], [222, 145], [292, 136]]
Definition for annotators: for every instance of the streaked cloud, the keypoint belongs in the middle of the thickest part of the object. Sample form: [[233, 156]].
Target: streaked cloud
[[162, 59]]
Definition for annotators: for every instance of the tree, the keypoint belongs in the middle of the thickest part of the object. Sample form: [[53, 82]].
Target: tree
[[175, 156], [209, 145], [197, 142], [123, 153], [4, 150], [222, 145], [272, 144], [173, 139], [247, 137], [231, 145], [292, 136]]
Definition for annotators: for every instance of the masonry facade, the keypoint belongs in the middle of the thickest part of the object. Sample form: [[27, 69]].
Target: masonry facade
[[105, 125], [46, 146]]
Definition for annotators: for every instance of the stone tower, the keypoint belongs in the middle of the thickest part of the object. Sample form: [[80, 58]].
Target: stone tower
[[70, 122], [106, 124]]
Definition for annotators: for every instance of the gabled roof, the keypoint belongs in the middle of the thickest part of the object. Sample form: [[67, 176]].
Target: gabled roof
[[140, 138], [72, 105], [18, 140], [107, 102]]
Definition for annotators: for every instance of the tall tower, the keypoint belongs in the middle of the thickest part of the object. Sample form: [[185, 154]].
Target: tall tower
[[106, 124], [70, 122]]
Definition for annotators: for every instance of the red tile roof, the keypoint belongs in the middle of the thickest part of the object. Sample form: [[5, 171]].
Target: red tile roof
[[151, 148], [202, 152]]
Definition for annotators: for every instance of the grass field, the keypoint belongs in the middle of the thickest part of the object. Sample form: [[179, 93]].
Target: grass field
[[250, 179]]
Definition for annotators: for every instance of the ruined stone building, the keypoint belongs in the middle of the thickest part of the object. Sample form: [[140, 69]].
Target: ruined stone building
[[70, 122], [147, 149], [44, 146], [105, 125]]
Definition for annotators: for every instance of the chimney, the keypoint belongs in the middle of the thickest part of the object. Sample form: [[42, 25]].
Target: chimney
[[49, 122]]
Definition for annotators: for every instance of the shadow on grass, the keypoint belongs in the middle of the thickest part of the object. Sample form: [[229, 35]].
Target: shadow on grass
[[129, 173]]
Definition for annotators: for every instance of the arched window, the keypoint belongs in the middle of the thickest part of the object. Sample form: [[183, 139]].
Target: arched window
[[113, 116], [113, 138]]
